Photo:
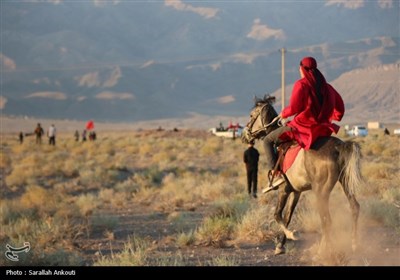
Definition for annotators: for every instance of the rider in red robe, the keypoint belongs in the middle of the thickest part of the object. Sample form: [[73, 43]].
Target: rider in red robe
[[314, 104]]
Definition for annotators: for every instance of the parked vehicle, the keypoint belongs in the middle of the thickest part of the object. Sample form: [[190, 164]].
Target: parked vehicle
[[357, 130], [228, 133]]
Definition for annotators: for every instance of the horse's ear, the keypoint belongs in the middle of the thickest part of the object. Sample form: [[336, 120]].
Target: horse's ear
[[256, 99], [271, 99]]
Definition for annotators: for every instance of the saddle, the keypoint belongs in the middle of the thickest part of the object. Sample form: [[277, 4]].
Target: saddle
[[287, 152]]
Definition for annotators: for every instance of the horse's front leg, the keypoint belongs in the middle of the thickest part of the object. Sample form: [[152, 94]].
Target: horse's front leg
[[283, 195]]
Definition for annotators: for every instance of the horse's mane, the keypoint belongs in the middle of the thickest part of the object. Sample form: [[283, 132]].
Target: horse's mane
[[266, 99]]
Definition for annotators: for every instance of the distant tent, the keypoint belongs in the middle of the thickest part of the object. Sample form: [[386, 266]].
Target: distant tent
[[90, 125]]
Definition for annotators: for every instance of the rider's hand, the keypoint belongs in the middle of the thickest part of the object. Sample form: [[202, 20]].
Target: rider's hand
[[282, 121]]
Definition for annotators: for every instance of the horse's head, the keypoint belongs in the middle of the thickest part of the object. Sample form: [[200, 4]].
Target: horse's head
[[261, 119]]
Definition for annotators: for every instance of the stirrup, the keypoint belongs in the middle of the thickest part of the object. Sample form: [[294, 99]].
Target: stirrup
[[275, 183]]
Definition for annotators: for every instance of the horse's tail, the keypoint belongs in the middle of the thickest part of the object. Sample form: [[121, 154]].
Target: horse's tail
[[349, 159]]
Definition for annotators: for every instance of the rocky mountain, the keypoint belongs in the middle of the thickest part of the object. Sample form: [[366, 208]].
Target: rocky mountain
[[142, 60]]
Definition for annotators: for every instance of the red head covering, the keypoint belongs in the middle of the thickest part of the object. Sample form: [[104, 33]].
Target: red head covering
[[311, 72], [318, 86], [308, 63]]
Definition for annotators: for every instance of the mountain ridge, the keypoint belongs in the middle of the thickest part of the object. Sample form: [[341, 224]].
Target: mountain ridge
[[125, 61]]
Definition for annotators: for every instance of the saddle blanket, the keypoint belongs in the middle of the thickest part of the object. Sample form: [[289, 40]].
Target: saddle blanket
[[290, 156]]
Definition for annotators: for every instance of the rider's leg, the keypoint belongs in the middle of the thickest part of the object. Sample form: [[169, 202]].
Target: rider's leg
[[269, 140]]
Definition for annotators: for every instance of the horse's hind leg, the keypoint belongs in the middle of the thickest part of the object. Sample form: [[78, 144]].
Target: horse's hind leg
[[355, 210], [323, 209]]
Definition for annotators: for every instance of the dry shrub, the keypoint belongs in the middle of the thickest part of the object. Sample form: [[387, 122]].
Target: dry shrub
[[256, 225], [119, 199], [146, 149], [87, 203], [373, 148], [392, 195], [377, 170], [163, 156], [382, 211], [106, 195], [234, 209], [39, 198], [224, 261], [135, 253], [5, 160], [71, 167], [211, 147], [21, 175], [213, 187], [103, 222], [215, 231], [186, 238]]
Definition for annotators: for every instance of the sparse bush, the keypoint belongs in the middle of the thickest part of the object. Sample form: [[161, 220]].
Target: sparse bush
[[87, 203], [256, 225], [212, 147], [215, 231], [39, 198], [5, 161], [186, 238], [224, 261], [133, 254], [230, 209], [102, 222], [176, 260], [383, 212]]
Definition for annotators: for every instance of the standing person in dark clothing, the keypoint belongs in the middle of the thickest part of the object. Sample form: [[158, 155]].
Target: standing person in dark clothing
[[76, 135], [250, 158], [21, 137], [39, 133], [84, 135]]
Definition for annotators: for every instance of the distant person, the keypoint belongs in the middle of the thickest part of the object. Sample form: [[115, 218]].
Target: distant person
[[221, 127], [51, 133], [250, 158], [39, 133], [92, 136], [84, 135], [21, 137], [386, 131], [76, 134]]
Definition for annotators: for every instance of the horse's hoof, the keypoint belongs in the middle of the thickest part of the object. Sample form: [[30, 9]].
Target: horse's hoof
[[279, 250], [292, 235]]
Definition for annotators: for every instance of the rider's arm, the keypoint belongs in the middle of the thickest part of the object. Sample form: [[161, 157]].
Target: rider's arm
[[297, 101], [338, 110]]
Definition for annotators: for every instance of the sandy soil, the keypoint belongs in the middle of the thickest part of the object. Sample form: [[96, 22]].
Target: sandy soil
[[379, 246]]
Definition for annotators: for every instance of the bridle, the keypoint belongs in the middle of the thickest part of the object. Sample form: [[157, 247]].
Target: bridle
[[255, 114]]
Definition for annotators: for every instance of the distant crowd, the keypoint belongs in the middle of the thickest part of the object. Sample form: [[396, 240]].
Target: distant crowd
[[52, 133]]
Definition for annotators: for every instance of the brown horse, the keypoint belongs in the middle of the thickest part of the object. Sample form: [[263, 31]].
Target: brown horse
[[329, 160]]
